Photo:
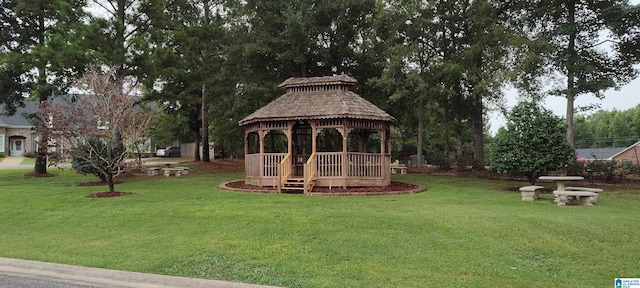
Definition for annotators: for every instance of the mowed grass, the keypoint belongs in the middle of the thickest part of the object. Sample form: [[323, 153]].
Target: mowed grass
[[461, 232], [28, 161]]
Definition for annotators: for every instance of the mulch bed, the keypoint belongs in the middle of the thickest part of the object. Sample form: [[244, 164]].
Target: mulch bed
[[219, 166], [96, 183], [108, 194], [34, 174], [393, 189], [124, 175]]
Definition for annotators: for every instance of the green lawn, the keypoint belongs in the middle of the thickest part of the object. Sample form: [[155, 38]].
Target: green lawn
[[28, 161], [462, 232]]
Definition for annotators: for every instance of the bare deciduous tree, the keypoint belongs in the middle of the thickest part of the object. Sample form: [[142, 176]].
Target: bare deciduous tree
[[98, 127]]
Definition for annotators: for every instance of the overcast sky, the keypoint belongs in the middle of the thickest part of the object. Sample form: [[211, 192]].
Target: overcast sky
[[626, 98]]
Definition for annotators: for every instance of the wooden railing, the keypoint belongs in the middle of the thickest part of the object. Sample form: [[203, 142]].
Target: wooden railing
[[309, 173], [329, 164], [364, 165], [284, 171], [322, 165], [367, 165], [271, 161], [252, 165]]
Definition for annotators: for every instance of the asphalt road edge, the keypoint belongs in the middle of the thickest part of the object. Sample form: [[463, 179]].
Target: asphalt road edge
[[98, 277]]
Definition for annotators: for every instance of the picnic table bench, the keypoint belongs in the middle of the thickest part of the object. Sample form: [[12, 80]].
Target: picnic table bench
[[403, 169], [530, 193], [565, 197], [153, 171], [594, 199], [185, 170], [177, 171]]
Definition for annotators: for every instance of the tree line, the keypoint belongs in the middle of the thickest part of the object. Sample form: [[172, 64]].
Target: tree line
[[608, 128], [436, 66]]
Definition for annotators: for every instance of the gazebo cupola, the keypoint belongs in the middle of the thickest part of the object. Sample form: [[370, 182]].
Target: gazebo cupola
[[319, 133]]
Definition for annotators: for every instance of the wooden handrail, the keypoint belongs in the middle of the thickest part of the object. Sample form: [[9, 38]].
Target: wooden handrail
[[284, 171], [309, 173]]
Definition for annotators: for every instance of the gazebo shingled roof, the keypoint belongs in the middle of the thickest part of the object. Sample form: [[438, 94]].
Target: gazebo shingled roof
[[318, 104], [338, 79]]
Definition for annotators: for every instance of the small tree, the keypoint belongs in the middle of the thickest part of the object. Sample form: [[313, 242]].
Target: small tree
[[532, 144], [95, 147], [93, 126]]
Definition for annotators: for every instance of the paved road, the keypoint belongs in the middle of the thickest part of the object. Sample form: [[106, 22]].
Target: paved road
[[10, 281], [17, 273]]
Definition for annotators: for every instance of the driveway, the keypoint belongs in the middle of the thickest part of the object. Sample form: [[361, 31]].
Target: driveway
[[13, 162]]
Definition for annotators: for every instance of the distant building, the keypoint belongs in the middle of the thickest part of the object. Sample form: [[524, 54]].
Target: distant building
[[17, 133], [620, 155]]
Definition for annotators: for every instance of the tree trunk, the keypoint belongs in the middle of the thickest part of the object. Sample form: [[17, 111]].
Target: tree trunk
[[571, 70], [40, 167], [205, 126], [478, 133], [196, 153], [205, 102], [421, 113], [110, 182], [120, 38], [461, 165], [446, 132]]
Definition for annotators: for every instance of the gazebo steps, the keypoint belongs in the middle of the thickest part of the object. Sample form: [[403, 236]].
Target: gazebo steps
[[296, 184]]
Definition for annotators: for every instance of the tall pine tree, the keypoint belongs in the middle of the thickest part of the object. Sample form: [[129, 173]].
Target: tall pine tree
[[593, 44], [42, 50]]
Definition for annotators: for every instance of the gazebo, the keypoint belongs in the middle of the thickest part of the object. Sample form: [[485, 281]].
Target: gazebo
[[319, 133]]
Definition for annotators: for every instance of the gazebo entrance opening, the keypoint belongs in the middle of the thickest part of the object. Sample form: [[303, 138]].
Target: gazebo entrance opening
[[302, 147]]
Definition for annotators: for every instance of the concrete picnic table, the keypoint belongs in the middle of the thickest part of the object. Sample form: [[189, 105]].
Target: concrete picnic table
[[572, 195], [394, 168], [561, 180]]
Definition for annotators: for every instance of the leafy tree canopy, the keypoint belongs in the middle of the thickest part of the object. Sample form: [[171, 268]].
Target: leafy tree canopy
[[533, 143], [608, 128]]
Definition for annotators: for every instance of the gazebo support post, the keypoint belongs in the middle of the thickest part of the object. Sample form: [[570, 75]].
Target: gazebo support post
[[345, 161], [261, 134]]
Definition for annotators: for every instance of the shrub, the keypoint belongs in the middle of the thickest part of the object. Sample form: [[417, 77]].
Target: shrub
[[29, 154], [607, 170], [532, 144], [576, 168]]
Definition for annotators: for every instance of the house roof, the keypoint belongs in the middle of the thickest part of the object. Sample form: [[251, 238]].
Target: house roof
[[328, 102], [625, 149], [599, 153], [20, 118]]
